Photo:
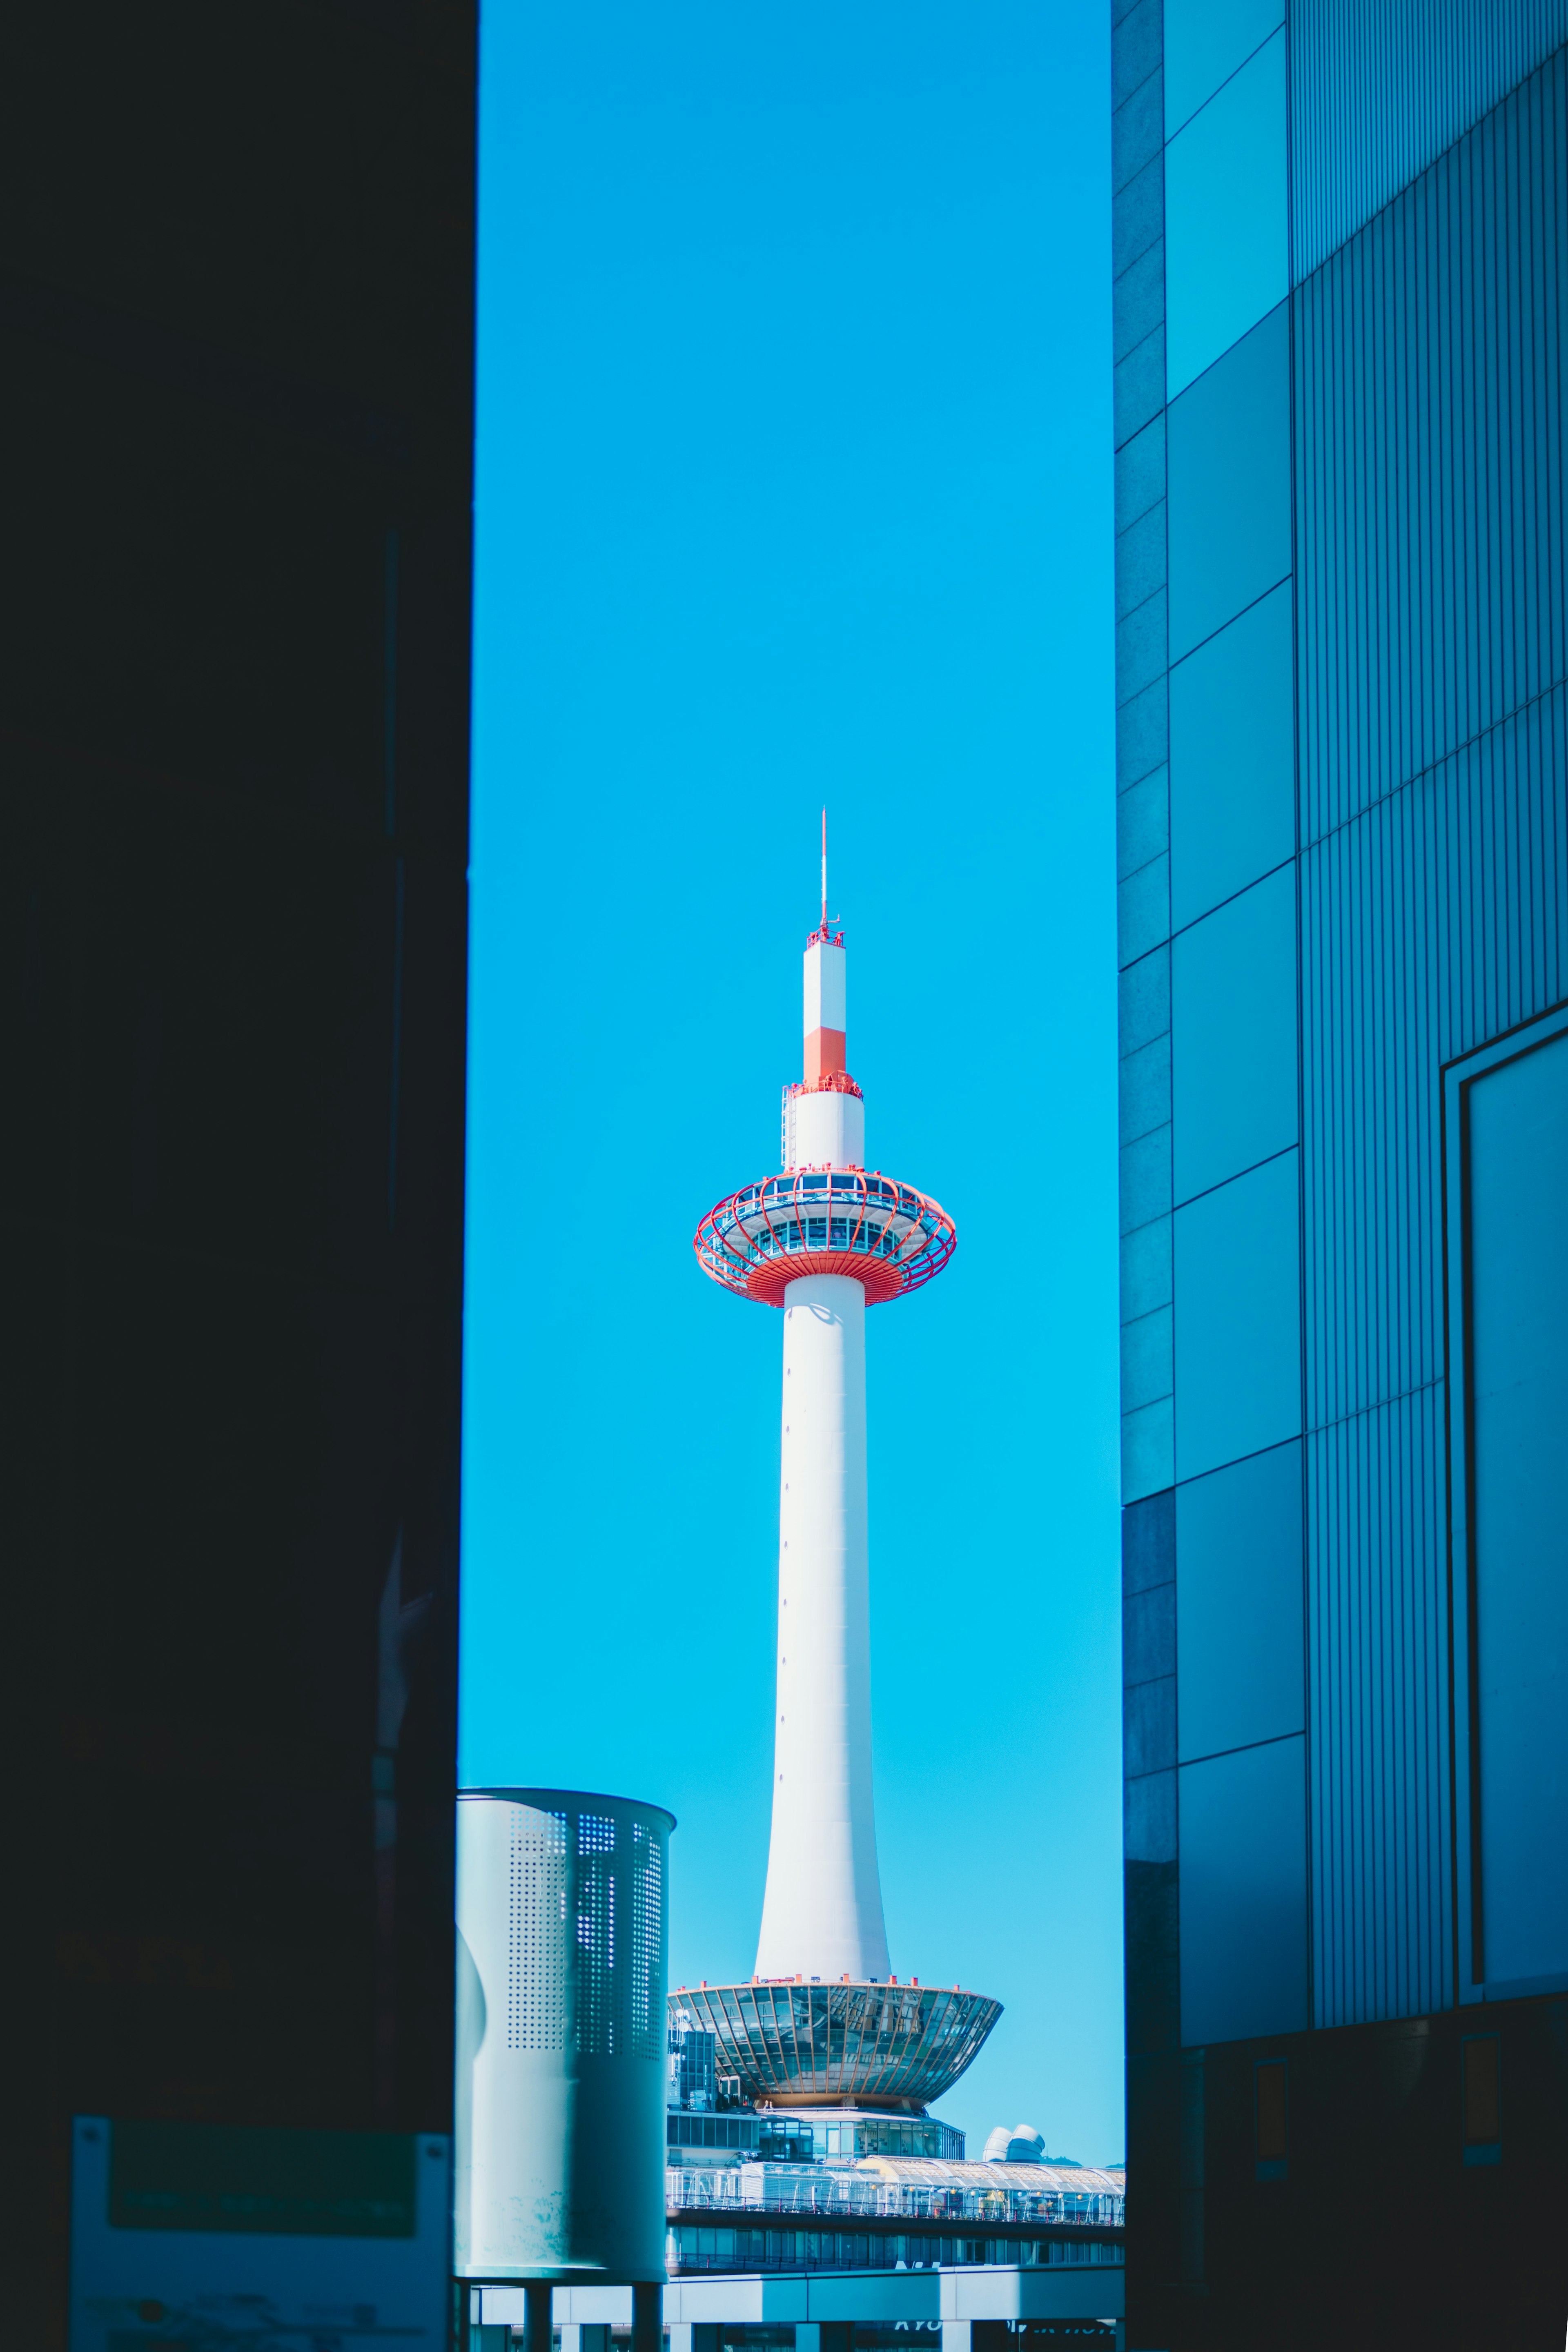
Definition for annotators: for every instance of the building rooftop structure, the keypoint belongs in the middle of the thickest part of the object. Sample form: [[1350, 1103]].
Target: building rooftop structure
[[1037, 2179], [781, 2189], [790, 2136], [909, 2214], [1017, 2143], [909, 2189]]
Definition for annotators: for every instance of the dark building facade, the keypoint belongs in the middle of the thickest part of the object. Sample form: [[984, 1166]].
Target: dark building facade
[[235, 312], [1342, 482]]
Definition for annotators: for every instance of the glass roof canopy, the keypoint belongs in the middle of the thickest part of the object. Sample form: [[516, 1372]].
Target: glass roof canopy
[[887, 2188]]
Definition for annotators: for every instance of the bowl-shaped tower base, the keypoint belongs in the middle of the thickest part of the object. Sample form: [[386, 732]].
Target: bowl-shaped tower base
[[842, 2045]]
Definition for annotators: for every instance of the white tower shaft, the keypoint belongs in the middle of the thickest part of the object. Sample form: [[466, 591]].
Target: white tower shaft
[[822, 1914], [825, 1239]]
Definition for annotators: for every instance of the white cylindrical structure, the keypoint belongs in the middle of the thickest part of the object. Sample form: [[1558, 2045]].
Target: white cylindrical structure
[[561, 2057], [824, 1129], [825, 1019], [822, 1914]]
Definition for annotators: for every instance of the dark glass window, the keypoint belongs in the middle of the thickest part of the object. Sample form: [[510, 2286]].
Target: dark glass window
[[1239, 1606], [1244, 1894]]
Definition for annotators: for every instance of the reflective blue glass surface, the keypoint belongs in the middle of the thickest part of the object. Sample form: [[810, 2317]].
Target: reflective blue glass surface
[[1232, 759], [1226, 236], [1238, 1318], [1205, 42], [1244, 1894], [1228, 486], [1233, 1035], [1239, 1604]]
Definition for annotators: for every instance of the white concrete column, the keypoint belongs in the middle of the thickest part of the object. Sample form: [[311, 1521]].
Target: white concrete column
[[827, 1131], [822, 1914]]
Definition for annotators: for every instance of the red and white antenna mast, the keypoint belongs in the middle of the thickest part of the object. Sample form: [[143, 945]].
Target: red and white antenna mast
[[824, 871]]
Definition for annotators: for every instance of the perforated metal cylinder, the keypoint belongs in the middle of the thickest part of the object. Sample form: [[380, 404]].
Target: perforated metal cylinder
[[563, 1938]]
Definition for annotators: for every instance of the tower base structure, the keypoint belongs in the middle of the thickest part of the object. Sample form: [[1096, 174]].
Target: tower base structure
[[890, 2048]]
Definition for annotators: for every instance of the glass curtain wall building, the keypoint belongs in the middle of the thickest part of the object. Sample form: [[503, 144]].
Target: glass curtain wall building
[[237, 329], [1340, 307]]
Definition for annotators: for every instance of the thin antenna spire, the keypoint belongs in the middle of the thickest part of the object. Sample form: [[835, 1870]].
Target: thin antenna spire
[[825, 869]]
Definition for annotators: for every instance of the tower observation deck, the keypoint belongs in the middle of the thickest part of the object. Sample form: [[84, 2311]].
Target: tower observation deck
[[823, 1240]]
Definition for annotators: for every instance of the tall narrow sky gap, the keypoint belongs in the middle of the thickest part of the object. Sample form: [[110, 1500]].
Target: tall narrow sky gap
[[793, 487]]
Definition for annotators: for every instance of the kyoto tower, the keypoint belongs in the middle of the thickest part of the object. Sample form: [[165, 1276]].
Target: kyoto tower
[[824, 1241]]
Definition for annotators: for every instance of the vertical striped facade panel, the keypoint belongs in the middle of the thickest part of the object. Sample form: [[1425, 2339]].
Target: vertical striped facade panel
[[1378, 1641], [1434, 921], [1379, 87], [1431, 448], [1430, 925], [1433, 748]]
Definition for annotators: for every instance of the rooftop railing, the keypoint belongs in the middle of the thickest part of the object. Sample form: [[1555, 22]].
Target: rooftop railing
[[748, 1241], [754, 2189]]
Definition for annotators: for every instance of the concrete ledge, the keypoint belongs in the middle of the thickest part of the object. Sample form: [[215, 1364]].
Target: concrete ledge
[[1057, 2291], [874, 2294], [733, 2298], [1053, 2290]]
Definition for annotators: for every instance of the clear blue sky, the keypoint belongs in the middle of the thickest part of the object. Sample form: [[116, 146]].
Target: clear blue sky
[[793, 487]]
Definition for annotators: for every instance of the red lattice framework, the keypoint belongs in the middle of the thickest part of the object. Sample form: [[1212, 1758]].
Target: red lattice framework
[[851, 1221]]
